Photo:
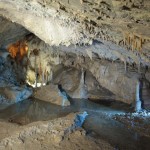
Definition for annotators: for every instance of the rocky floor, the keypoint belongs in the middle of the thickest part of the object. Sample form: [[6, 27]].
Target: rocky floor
[[35, 124], [139, 122], [56, 134]]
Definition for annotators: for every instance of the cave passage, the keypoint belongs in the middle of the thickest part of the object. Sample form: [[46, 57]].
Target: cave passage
[[63, 62]]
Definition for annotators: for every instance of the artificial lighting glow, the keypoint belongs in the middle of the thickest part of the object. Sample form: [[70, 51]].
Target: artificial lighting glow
[[18, 50]]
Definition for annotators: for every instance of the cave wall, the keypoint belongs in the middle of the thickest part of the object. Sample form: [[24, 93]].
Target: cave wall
[[116, 25], [71, 22], [104, 37], [113, 76], [47, 23], [10, 32]]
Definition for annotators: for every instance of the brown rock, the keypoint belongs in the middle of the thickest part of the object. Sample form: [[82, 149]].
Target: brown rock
[[50, 93]]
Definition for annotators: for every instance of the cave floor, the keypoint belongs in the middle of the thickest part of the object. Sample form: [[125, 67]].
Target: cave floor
[[109, 125]]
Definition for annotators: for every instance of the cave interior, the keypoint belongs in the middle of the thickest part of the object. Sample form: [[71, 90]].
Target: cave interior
[[80, 62]]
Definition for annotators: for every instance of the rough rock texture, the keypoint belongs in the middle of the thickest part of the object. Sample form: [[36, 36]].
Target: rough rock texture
[[10, 32], [69, 78], [110, 76], [96, 29], [51, 93], [45, 22], [11, 91], [117, 25], [118, 78], [50, 135], [145, 96], [15, 94], [147, 75]]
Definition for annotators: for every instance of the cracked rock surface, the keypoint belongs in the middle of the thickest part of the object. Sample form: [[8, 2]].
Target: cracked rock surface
[[54, 135], [121, 25]]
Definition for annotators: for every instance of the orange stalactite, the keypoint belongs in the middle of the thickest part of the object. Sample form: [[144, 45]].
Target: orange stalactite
[[134, 41], [18, 50], [13, 49]]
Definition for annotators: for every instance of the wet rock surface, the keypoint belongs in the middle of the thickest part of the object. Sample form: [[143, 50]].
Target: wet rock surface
[[84, 49], [139, 122], [11, 89], [15, 94], [51, 93], [53, 134], [101, 126]]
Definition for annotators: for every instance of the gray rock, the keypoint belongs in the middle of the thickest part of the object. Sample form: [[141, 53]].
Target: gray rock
[[51, 93]]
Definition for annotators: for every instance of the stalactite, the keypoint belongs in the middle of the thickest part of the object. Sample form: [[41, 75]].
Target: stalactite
[[35, 66], [136, 45], [140, 44], [43, 79], [51, 75], [138, 100], [46, 76], [40, 69], [82, 80], [133, 41], [128, 38], [125, 66], [132, 47], [124, 39], [18, 50], [36, 53]]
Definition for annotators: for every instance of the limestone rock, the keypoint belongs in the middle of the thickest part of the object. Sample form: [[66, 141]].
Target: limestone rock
[[15, 94], [148, 76], [117, 25], [69, 78], [51, 93], [52, 134]]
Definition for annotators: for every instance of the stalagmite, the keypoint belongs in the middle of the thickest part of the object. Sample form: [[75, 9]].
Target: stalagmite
[[82, 80], [138, 100], [83, 92]]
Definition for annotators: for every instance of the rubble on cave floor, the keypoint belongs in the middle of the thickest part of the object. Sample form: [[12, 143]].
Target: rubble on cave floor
[[137, 121], [55, 135]]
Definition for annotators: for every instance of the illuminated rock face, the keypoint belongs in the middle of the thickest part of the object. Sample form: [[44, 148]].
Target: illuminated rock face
[[48, 24], [81, 91], [18, 50], [117, 25], [51, 93], [109, 38], [138, 103]]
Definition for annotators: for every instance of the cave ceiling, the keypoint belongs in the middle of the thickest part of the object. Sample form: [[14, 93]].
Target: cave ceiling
[[111, 29]]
